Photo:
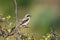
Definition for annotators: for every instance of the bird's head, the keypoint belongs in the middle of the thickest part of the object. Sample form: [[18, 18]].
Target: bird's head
[[27, 15]]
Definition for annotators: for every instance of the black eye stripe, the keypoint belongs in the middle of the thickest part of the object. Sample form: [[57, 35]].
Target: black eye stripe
[[28, 15]]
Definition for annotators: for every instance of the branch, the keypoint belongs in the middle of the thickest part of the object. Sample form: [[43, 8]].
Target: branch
[[16, 14], [16, 17]]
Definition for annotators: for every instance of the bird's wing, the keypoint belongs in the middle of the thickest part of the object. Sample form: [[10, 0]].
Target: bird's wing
[[24, 20]]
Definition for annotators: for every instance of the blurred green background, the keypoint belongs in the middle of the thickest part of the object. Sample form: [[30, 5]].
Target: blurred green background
[[44, 14]]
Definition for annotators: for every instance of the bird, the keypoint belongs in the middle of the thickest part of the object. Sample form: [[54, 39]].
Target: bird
[[25, 21]]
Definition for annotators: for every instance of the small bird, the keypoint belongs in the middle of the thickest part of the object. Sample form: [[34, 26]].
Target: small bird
[[25, 20]]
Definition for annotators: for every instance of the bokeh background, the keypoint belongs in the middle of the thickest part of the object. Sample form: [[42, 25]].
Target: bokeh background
[[45, 14]]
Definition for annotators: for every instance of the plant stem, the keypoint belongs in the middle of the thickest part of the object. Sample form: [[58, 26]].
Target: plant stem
[[16, 12]]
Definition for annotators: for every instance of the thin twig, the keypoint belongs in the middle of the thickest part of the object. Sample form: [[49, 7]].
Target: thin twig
[[16, 17], [16, 14]]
